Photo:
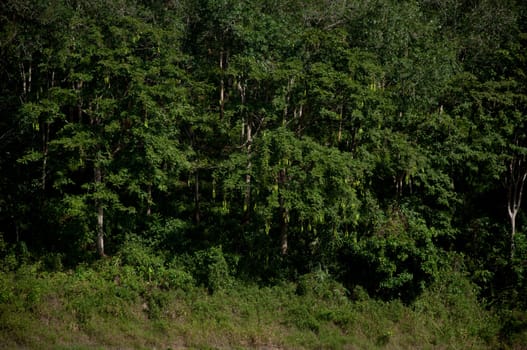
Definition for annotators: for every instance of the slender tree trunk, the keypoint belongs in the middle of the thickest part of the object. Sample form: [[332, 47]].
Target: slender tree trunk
[[100, 215], [247, 138], [339, 133], [284, 215], [23, 76], [512, 210], [197, 213], [247, 200], [354, 139], [29, 78], [222, 84], [290, 84], [26, 78], [297, 115], [284, 226], [45, 142], [514, 195], [45, 149], [512, 216], [149, 204], [398, 179], [78, 87], [249, 166]]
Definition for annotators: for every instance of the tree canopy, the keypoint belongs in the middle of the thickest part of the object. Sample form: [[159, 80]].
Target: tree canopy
[[378, 139]]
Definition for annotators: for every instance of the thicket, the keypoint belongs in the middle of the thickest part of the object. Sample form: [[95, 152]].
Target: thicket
[[123, 302], [215, 143]]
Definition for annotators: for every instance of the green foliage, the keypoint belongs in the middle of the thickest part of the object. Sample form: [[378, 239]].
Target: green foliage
[[90, 305], [514, 327], [321, 285], [453, 297], [275, 140], [151, 266], [211, 269], [136, 254], [398, 260]]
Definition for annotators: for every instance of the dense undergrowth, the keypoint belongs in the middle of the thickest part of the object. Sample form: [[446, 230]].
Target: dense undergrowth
[[138, 300]]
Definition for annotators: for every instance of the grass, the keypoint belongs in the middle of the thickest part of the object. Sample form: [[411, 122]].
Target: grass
[[112, 307]]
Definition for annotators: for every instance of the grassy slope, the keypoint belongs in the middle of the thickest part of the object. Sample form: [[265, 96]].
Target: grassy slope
[[112, 307]]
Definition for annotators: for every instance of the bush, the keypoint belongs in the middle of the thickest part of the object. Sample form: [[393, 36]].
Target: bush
[[514, 327], [138, 255], [175, 277], [302, 316], [53, 261], [397, 261], [152, 268], [13, 256], [211, 269], [320, 284], [453, 300], [156, 301]]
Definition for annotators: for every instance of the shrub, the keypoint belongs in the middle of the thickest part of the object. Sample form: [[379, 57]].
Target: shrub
[[320, 284], [453, 300], [397, 261], [302, 316], [211, 269], [175, 277], [156, 301], [137, 254], [6, 290]]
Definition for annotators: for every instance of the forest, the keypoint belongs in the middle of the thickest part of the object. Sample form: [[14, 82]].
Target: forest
[[370, 149]]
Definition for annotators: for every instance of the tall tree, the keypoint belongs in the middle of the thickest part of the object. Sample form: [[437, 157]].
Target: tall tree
[[112, 111]]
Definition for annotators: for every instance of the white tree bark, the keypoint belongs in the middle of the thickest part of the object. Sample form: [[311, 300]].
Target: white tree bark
[[100, 215], [518, 175]]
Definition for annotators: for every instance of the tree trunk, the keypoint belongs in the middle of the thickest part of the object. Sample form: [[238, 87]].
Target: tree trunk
[[149, 204], [197, 213], [247, 199], [512, 208], [514, 195], [284, 215], [45, 148], [247, 138], [398, 179], [512, 217], [26, 78], [45, 142], [339, 132], [283, 246], [100, 215], [284, 226], [222, 84]]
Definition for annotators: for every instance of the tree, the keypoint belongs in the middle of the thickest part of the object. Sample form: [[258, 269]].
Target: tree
[[111, 117]]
